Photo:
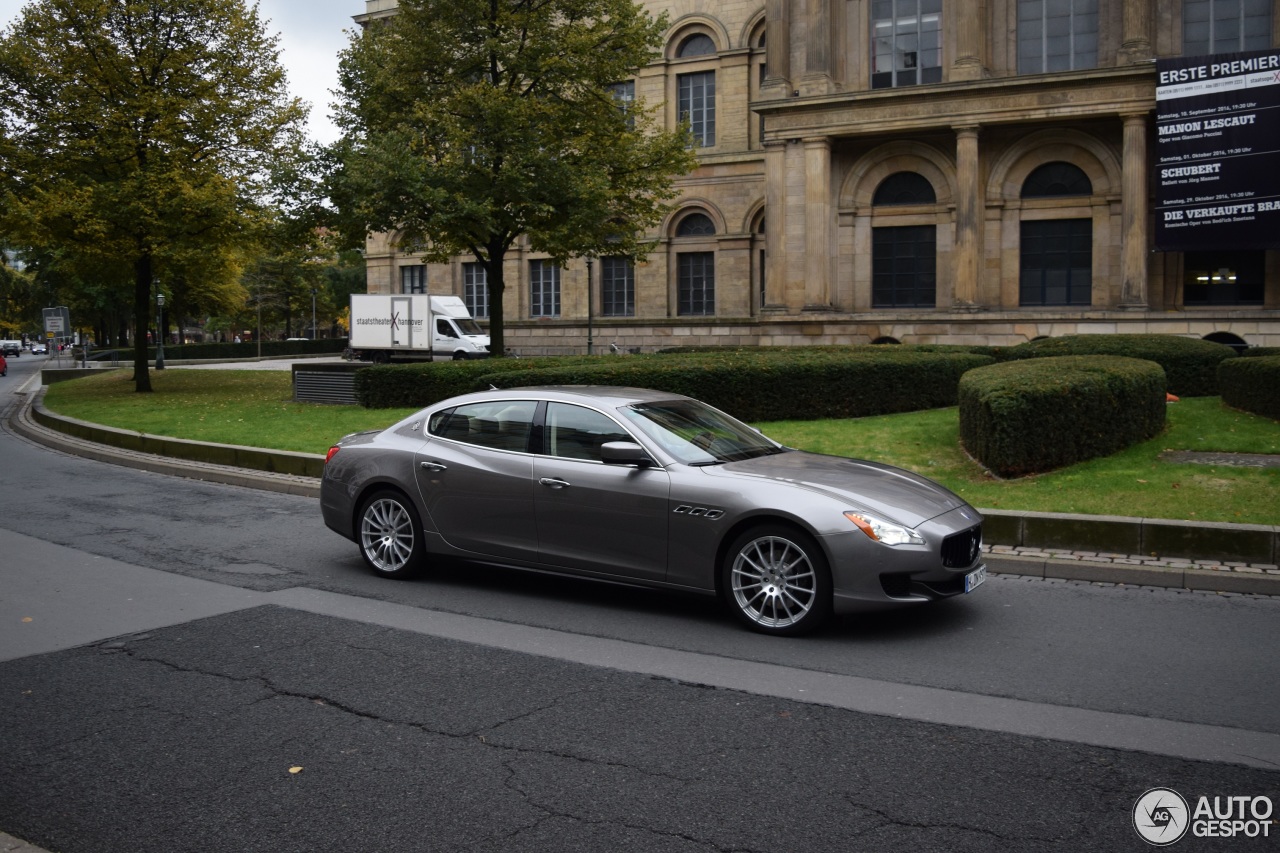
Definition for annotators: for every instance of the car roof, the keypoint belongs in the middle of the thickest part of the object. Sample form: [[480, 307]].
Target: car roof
[[610, 395]]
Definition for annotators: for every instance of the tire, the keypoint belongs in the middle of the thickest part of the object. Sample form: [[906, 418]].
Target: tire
[[776, 581], [390, 535]]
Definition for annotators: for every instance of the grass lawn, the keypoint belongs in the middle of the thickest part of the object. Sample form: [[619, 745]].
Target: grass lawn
[[255, 408]]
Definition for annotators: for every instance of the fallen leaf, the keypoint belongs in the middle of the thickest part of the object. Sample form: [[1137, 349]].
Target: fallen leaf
[[295, 769], [27, 619]]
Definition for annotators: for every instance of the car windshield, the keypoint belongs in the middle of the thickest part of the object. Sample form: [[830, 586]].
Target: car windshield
[[468, 326], [697, 434]]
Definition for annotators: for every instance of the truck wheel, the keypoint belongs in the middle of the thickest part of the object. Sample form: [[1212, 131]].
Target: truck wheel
[[381, 358]]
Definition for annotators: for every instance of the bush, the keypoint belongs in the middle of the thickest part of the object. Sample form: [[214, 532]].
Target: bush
[[802, 384], [1252, 384], [1026, 417], [273, 349], [1190, 364], [1260, 352]]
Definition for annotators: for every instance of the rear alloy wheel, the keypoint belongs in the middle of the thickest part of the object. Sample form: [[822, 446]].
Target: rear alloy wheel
[[777, 581], [391, 536]]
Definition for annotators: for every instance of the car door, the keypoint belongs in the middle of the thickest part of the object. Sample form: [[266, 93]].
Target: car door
[[593, 517], [475, 476]]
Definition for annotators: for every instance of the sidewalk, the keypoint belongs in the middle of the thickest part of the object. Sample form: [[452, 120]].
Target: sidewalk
[[1207, 571]]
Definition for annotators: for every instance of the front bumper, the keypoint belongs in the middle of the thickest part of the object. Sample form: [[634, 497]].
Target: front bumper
[[870, 576]]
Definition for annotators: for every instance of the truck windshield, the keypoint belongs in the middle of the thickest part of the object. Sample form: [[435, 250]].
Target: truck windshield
[[468, 326], [697, 434]]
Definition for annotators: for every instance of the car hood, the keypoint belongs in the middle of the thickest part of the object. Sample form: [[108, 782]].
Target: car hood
[[894, 493]]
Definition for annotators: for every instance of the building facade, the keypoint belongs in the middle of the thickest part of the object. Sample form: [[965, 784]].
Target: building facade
[[919, 171]]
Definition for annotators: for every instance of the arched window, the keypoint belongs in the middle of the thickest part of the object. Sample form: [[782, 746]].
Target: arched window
[[1056, 179], [696, 45], [696, 225], [696, 270], [904, 188]]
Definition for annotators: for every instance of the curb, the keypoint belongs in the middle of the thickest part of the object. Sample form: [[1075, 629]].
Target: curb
[[1210, 557]]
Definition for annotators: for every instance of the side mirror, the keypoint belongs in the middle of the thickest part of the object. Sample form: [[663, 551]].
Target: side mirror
[[624, 453]]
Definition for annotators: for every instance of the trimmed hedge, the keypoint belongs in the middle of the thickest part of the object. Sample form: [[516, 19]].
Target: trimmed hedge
[[1190, 364], [1026, 417], [176, 352], [800, 385], [1252, 384], [1260, 352]]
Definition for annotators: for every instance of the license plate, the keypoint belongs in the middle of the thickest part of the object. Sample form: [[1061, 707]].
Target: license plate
[[974, 579]]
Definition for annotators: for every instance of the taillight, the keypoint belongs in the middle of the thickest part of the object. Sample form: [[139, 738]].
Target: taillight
[[333, 451]]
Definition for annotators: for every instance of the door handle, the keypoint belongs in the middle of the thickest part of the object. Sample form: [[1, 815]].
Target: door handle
[[433, 466], [554, 482]]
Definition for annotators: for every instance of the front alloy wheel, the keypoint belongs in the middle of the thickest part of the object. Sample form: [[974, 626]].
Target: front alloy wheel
[[390, 536], [777, 581]]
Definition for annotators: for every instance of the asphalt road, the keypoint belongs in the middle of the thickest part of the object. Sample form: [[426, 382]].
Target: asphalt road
[[206, 667]]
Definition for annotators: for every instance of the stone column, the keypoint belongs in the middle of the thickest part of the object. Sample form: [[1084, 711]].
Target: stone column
[[1133, 213], [777, 45], [970, 61], [775, 225], [969, 220], [817, 224], [1135, 44]]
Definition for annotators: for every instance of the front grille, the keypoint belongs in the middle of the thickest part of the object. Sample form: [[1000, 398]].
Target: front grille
[[961, 549]]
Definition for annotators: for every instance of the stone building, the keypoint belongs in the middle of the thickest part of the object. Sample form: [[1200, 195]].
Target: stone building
[[974, 171]]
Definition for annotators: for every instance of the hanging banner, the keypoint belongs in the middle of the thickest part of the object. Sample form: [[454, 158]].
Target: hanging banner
[[1217, 159]]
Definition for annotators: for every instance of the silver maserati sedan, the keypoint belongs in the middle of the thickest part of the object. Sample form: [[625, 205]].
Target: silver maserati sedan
[[649, 488]]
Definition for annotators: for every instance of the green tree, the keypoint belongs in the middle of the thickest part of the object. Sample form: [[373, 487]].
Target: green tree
[[140, 135], [469, 124]]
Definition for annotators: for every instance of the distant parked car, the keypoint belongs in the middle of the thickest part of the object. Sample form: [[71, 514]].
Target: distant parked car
[[654, 489]]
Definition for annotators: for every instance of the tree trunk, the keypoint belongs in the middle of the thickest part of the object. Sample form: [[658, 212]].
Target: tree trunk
[[141, 312], [497, 288]]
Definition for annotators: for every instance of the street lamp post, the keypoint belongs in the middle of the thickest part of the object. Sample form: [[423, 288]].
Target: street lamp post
[[159, 330], [591, 344], [313, 313]]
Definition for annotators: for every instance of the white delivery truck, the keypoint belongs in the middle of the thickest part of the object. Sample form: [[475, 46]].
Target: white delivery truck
[[386, 326]]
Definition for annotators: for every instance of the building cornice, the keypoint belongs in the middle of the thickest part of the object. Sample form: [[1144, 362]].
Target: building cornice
[[1129, 90]]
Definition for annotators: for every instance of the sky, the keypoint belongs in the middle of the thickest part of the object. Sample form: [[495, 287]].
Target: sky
[[311, 34]]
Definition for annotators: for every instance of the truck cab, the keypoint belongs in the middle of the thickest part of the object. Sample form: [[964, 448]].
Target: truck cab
[[457, 335]]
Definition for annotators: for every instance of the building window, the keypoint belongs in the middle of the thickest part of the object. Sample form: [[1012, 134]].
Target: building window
[[906, 43], [1057, 35], [544, 289], [1225, 26], [696, 283], [617, 287], [696, 45], [475, 289], [413, 279], [904, 267], [696, 225], [1057, 262], [1223, 278], [696, 103], [624, 95], [1053, 180], [904, 188]]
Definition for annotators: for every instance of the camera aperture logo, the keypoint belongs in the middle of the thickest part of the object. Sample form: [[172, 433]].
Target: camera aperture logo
[[1160, 816]]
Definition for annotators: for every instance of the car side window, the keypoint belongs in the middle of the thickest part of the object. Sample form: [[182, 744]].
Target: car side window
[[574, 432], [500, 425], [443, 329]]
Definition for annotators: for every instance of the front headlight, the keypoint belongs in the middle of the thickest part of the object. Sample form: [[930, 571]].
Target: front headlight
[[883, 531]]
